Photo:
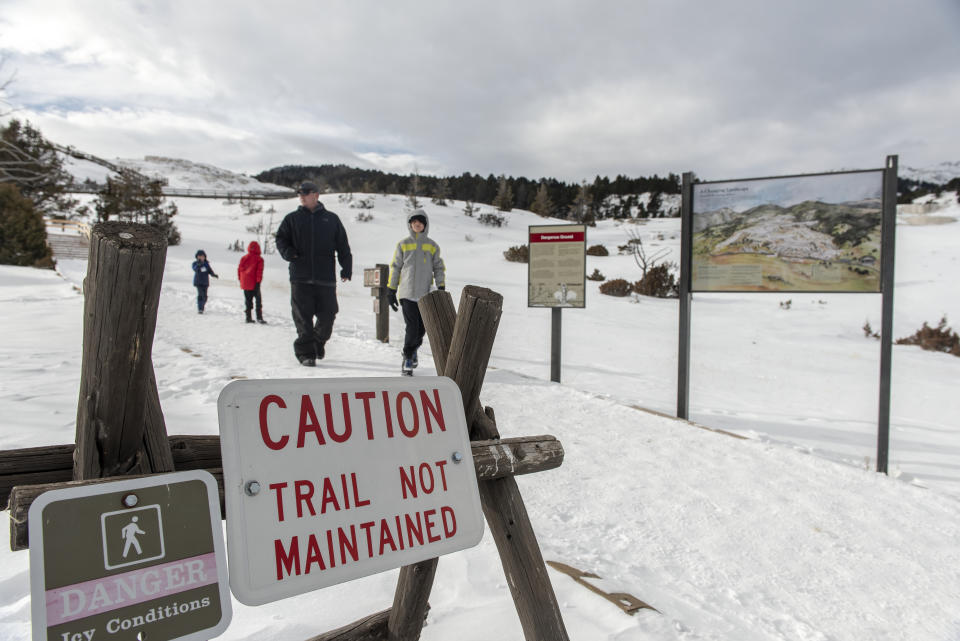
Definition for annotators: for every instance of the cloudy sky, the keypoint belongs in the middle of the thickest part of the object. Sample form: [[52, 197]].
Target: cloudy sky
[[534, 88]]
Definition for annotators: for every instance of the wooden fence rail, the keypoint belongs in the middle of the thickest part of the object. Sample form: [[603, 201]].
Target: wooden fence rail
[[75, 226], [27, 473]]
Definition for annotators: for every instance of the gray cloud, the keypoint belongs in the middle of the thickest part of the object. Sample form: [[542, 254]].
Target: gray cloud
[[560, 89]]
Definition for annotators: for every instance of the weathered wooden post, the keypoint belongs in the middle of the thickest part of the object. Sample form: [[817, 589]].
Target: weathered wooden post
[[120, 427], [376, 280], [461, 342]]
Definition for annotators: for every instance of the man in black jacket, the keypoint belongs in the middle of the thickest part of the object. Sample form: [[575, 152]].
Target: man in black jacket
[[308, 238]]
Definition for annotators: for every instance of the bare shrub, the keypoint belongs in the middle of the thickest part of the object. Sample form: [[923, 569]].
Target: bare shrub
[[596, 275], [518, 254], [936, 339], [491, 220], [362, 203], [616, 287]]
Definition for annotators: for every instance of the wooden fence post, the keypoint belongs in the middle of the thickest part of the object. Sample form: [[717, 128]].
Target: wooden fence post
[[503, 506], [461, 342], [411, 598], [120, 428]]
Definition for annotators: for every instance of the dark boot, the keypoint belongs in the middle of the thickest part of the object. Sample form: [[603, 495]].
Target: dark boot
[[260, 317], [249, 318]]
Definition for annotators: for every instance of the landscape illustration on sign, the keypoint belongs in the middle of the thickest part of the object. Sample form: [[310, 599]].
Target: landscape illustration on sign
[[804, 233]]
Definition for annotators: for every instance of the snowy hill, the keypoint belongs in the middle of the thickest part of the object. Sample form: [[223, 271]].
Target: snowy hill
[[186, 174], [787, 534], [175, 172], [939, 174]]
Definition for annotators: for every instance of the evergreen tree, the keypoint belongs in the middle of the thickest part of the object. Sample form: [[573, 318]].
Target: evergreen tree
[[653, 207], [542, 204], [504, 198], [413, 190], [130, 198], [31, 162], [441, 192], [583, 204], [23, 237]]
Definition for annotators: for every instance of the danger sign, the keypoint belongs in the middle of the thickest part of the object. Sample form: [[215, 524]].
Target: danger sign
[[132, 559], [328, 480]]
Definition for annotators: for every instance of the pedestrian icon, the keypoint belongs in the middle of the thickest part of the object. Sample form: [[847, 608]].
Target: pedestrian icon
[[130, 532], [132, 536]]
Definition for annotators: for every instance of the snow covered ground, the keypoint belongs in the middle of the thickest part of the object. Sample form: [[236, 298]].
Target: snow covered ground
[[785, 535]]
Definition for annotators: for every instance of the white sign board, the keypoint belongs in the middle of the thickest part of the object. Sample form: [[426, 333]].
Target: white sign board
[[328, 480]]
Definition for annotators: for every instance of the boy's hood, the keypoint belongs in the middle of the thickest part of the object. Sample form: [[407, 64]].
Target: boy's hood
[[426, 226], [253, 247]]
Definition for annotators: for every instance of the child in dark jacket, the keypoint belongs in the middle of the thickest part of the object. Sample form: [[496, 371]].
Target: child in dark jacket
[[250, 273], [202, 271]]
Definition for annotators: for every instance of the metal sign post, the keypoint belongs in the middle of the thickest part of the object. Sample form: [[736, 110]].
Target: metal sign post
[[886, 330], [686, 233]]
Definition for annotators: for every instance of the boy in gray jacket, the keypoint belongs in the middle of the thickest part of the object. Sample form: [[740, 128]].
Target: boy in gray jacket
[[416, 265]]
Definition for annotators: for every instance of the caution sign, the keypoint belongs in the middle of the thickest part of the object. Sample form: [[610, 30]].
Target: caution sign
[[140, 558], [328, 480]]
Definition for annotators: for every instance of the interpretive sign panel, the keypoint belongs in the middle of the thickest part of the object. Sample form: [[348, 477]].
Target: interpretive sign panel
[[810, 233], [328, 480], [557, 266], [139, 558]]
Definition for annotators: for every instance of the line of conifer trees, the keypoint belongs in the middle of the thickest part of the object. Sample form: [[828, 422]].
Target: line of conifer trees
[[546, 196]]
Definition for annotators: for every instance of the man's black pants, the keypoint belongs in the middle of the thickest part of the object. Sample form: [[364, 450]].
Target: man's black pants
[[314, 309], [413, 337]]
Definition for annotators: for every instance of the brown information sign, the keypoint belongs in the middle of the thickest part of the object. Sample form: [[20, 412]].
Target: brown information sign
[[556, 273], [135, 559]]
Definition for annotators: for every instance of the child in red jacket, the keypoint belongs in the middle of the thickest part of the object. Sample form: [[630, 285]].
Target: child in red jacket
[[250, 273]]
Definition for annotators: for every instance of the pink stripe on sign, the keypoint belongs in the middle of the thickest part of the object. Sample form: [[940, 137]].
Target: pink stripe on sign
[[82, 600]]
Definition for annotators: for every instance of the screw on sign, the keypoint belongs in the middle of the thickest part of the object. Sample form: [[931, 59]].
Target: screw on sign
[[355, 476]]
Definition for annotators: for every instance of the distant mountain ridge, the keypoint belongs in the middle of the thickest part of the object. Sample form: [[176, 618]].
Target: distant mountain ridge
[[939, 174]]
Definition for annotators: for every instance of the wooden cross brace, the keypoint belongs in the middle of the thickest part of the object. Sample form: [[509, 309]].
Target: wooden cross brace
[[461, 344]]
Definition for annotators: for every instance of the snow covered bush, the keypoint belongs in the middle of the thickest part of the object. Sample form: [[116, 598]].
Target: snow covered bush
[[597, 250]]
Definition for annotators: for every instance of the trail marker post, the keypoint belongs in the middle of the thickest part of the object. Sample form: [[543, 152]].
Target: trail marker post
[[376, 280]]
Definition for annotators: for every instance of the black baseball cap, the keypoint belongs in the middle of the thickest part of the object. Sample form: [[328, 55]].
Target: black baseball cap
[[307, 188]]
